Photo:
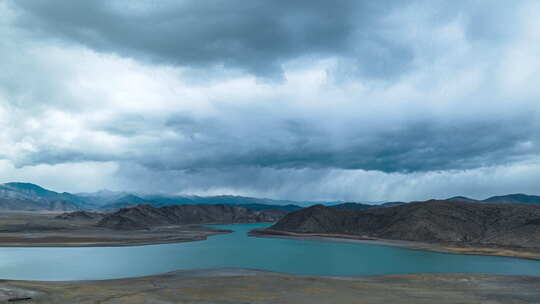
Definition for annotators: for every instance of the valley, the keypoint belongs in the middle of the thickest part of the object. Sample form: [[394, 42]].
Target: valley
[[49, 229]]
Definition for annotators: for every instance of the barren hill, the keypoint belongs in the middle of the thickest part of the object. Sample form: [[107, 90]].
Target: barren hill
[[144, 216], [516, 225]]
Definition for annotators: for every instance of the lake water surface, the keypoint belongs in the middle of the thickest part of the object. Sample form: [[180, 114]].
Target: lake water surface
[[239, 250]]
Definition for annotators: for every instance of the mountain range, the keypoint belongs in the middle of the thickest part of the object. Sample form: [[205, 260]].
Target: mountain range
[[517, 198], [31, 197]]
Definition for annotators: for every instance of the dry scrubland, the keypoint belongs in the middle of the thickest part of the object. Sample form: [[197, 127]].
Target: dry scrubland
[[237, 286]]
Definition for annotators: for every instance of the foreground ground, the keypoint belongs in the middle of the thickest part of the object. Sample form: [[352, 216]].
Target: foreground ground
[[236, 286], [35, 229]]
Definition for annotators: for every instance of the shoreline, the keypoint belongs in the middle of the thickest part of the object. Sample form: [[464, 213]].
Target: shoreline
[[441, 248], [45, 229], [108, 238], [236, 285]]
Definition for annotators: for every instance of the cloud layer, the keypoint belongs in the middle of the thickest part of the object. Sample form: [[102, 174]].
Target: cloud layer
[[287, 99], [256, 37]]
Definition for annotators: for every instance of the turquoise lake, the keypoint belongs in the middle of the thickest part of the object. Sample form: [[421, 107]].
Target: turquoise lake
[[239, 250]]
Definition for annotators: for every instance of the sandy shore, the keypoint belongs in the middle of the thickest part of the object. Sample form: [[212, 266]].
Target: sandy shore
[[237, 286], [523, 253]]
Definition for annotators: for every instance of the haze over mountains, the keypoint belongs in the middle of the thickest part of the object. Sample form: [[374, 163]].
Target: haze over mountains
[[27, 196]]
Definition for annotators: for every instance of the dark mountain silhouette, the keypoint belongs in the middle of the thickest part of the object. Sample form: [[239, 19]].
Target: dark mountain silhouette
[[353, 206], [462, 198], [392, 204], [514, 199], [362, 206], [260, 207], [80, 215]]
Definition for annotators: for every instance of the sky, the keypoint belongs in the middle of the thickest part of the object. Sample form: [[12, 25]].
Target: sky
[[287, 99]]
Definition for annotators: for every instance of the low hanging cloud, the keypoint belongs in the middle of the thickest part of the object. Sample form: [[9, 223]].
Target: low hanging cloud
[[353, 100]]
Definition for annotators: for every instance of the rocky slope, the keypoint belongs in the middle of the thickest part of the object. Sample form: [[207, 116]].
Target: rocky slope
[[80, 215], [516, 225], [8, 204], [30, 197], [22, 204], [144, 216]]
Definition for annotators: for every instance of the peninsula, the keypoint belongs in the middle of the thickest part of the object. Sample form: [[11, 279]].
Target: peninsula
[[454, 226]]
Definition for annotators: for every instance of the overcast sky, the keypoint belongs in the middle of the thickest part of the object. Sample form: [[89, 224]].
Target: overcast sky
[[306, 100]]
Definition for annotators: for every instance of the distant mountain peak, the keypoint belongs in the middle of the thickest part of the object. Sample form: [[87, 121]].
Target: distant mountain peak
[[27, 186], [514, 198], [30, 188]]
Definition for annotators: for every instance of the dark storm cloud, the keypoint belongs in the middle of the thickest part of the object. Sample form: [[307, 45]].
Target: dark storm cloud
[[258, 36], [424, 146], [381, 94], [254, 36]]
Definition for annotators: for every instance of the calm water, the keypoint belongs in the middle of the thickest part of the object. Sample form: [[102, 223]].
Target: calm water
[[239, 250]]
